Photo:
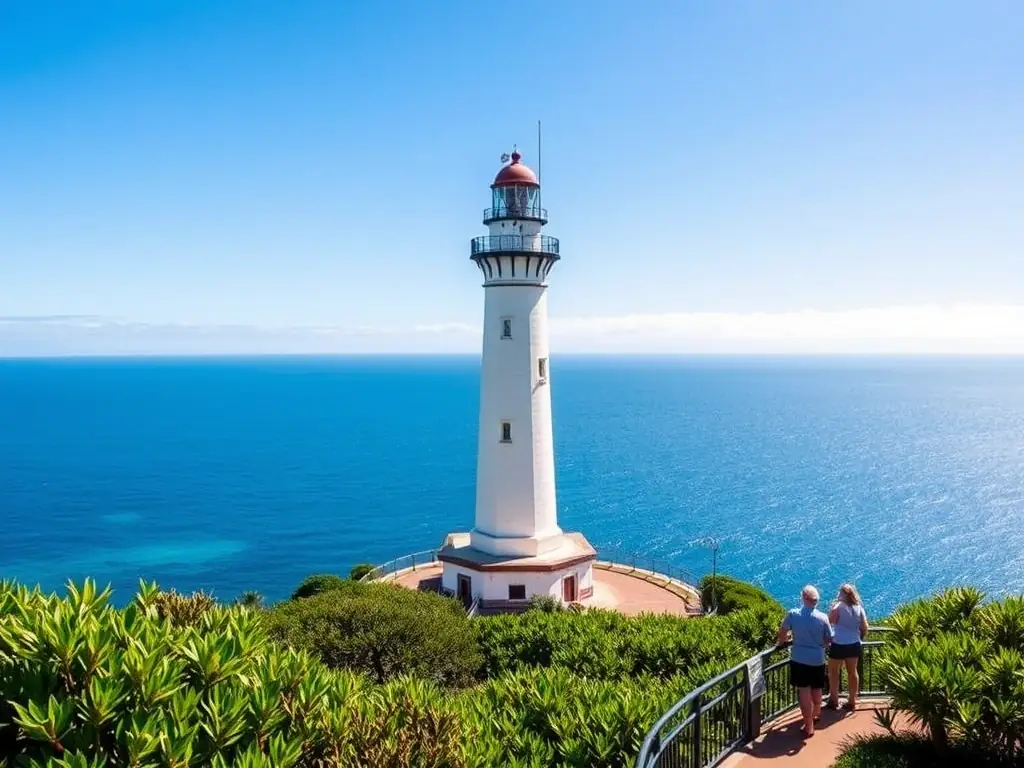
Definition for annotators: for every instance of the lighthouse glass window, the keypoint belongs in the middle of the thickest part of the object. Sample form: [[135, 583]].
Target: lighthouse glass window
[[506, 327], [506, 432]]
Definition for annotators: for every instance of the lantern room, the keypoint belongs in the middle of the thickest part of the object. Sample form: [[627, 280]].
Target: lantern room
[[515, 193]]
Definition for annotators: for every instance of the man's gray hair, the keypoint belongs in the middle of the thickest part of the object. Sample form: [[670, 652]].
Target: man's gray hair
[[809, 593]]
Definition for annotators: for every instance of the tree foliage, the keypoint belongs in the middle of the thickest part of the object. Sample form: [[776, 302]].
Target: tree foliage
[[383, 631], [319, 583], [360, 570], [728, 594]]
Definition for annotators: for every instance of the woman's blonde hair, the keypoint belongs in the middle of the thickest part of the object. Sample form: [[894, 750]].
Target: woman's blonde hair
[[849, 595]]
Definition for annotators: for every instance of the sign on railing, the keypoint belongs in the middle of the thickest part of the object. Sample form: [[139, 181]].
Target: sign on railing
[[756, 686]]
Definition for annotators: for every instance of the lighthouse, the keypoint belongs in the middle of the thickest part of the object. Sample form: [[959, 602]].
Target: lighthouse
[[516, 549]]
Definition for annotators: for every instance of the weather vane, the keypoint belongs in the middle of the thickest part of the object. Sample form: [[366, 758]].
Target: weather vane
[[505, 156]]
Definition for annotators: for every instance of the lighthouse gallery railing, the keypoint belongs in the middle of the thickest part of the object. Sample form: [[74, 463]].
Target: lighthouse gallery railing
[[514, 244]]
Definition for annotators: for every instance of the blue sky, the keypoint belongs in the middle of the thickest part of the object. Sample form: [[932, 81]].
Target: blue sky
[[219, 175]]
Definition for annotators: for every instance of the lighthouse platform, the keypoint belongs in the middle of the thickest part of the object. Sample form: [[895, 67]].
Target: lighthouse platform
[[621, 587]]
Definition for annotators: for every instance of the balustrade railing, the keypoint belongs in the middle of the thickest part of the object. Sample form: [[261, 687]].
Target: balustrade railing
[[713, 721], [515, 212], [514, 244], [416, 560], [643, 563]]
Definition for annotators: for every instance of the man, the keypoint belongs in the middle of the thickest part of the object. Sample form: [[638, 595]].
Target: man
[[811, 633]]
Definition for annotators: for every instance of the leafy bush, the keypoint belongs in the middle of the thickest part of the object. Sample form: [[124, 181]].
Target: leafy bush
[[957, 670], [729, 594], [605, 645], [317, 584], [183, 610], [85, 685], [546, 604], [383, 631], [361, 570], [250, 599], [163, 683], [904, 751], [553, 718]]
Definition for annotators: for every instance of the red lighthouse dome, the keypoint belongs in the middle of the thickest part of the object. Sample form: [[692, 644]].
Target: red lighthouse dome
[[515, 174]]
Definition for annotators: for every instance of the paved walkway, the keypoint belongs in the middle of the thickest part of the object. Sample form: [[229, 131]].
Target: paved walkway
[[782, 746], [627, 592]]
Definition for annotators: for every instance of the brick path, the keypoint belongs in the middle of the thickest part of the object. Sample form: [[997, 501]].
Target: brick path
[[782, 746]]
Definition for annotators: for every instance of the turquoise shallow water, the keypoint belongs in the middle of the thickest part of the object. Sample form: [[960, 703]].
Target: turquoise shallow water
[[242, 474]]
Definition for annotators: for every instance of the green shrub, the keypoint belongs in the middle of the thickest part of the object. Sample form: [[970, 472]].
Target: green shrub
[[755, 628], [956, 668], [148, 684], [317, 584], [554, 718], [183, 610], [546, 604], [361, 570], [250, 599], [383, 631], [729, 594], [605, 645], [904, 751], [83, 684]]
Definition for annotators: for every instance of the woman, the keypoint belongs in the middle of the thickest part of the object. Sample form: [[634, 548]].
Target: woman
[[811, 633], [849, 627]]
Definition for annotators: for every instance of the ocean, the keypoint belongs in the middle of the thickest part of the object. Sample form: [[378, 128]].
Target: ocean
[[904, 475]]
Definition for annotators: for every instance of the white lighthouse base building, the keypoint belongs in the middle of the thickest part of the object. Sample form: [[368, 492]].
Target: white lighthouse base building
[[501, 582]]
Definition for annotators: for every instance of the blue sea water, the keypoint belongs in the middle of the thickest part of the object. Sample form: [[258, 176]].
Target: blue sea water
[[250, 473]]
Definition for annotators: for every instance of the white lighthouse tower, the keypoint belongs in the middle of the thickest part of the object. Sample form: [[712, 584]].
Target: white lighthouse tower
[[516, 549]]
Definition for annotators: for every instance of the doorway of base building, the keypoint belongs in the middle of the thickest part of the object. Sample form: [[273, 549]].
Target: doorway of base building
[[464, 587], [569, 594]]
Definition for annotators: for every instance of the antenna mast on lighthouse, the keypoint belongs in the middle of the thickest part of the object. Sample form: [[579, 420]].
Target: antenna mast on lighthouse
[[540, 189]]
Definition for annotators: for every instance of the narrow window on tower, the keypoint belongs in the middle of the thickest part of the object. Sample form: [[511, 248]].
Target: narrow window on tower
[[516, 591], [542, 369], [506, 327], [506, 431]]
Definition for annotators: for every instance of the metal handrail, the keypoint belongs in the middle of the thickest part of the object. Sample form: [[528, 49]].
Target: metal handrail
[[641, 562], [392, 567], [655, 743], [515, 212], [515, 244]]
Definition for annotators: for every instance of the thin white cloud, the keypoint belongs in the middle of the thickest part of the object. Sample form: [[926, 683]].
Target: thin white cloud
[[928, 322], [960, 329], [464, 328]]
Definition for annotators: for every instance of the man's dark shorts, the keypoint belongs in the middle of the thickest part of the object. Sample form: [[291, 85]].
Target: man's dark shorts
[[806, 676]]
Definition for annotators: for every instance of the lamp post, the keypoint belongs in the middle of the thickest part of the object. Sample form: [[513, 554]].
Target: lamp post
[[713, 544]]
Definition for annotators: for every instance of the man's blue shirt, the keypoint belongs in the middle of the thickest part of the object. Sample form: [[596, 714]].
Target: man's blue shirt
[[811, 634]]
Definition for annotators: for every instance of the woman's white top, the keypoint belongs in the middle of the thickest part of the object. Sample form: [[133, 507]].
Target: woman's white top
[[847, 628]]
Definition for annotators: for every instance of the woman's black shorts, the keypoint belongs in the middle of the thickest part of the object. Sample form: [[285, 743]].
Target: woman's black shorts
[[806, 676], [844, 651]]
